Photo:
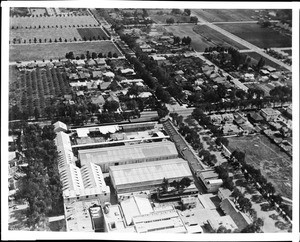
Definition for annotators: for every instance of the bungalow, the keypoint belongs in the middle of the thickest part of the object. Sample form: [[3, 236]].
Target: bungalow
[[115, 85], [112, 97], [145, 94], [92, 85], [104, 85], [73, 76], [128, 72], [230, 129], [270, 69], [97, 74], [79, 62], [91, 62], [274, 77], [98, 100], [180, 79], [109, 74], [264, 72], [239, 119], [100, 61], [255, 117], [206, 68], [219, 80]]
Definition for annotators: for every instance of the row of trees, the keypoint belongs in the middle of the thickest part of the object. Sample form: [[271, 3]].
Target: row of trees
[[53, 26], [70, 55], [254, 176], [40, 186]]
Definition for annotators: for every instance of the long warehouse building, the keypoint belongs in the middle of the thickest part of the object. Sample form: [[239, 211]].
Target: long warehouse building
[[128, 154], [148, 175]]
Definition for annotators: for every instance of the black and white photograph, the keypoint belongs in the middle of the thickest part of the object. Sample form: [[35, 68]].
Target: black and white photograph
[[132, 118]]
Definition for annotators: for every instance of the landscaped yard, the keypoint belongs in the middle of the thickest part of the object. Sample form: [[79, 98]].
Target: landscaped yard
[[274, 164], [58, 50], [256, 35]]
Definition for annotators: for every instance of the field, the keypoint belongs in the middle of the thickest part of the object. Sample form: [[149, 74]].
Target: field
[[207, 38], [288, 51], [216, 37], [227, 15], [46, 51], [275, 165], [78, 21], [256, 35], [161, 19], [268, 62], [92, 33]]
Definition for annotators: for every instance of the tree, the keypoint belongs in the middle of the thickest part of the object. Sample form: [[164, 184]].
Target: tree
[[176, 40], [222, 140], [115, 55], [109, 54], [193, 19], [170, 21], [245, 204], [48, 132], [165, 184], [162, 111], [94, 55], [36, 113], [187, 12], [111, 106], [82, 56], [175, 11]]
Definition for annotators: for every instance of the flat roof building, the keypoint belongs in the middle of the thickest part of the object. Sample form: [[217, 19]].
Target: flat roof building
[[127, 154], [148, 175], [64, 148]]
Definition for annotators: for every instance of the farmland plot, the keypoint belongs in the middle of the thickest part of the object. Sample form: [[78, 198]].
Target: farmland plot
[[92, 33], [256, 35], [274, 164], [77, 21], [46, 51]]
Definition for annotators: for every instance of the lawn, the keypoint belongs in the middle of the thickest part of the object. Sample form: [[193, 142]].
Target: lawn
[[256, 35], [274, 164], [216, 37], [256, 57], [58, 50], [92, 33]]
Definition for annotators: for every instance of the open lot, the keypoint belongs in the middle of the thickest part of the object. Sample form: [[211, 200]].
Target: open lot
[[92, 33], [216, 37], [256, 57], [274, 164], [256, 35], [46, 51], [227, 15]]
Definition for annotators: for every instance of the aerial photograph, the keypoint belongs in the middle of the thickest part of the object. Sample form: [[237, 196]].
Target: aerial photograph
[[150, 120]]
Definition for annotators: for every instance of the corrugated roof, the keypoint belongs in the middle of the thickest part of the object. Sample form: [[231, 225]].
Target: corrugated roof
[[128, 152], [150, 171]]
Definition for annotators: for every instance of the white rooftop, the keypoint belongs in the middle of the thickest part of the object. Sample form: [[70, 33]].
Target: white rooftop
[[150, 171]]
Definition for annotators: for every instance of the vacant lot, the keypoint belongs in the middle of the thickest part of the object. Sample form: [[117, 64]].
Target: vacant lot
[[216, 38], [256, 57], [77, 21], [58, 50], [256, 35], [92, 33], [274, 164]]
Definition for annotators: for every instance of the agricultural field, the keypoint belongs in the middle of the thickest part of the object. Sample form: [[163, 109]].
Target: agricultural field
[[228, 15], [92, 33], [256, 57], [161, 19], [31, 90], [256, 35], [217, 38], [46, 51], [274, 164], [64, 20], [43, 35], [198, 43], [202, 36]]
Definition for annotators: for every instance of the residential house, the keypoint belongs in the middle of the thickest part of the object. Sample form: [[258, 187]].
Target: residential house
[[255, 117], [104, 85], [115, 86], [98, 100], [96, 74]]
